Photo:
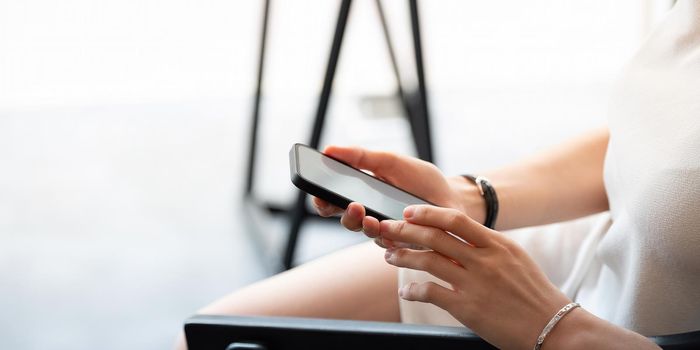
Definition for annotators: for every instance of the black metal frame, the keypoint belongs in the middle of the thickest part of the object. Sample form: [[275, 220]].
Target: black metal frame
[[415, 106], [280, 333]]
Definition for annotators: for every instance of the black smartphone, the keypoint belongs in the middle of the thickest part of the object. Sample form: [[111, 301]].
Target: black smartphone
[[340, 184]]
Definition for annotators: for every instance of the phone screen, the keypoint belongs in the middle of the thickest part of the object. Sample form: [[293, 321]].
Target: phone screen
[[353, 184]]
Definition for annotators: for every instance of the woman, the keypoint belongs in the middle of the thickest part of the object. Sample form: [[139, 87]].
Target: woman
[[635, 273]]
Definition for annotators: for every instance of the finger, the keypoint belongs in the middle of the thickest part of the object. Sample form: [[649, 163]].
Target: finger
[[426, 260], [386, 243], [450, 220], [380, 242], [428, 292], [389, 244], [424, 236], [352, 218], [374, 161], [370, 226], [324, 208], [393, 168]]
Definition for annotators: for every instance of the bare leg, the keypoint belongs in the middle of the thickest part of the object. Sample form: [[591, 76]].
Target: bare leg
[[355, 283]]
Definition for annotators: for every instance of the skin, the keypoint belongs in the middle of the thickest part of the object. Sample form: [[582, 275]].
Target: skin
[[354, 283], [497, 290]]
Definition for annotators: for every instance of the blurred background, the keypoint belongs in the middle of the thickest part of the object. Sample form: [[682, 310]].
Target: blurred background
[[124, 135]]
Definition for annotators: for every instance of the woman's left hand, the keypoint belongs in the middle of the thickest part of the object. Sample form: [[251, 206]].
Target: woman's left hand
[[497, 289]]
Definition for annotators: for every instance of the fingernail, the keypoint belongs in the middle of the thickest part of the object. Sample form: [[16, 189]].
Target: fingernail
[[389, 255], [408, 212], [403, 292]]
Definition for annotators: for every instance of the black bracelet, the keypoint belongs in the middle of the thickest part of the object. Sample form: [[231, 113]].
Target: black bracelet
[[489, 193]]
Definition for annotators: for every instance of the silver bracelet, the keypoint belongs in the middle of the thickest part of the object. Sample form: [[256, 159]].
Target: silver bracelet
[[553, 322]]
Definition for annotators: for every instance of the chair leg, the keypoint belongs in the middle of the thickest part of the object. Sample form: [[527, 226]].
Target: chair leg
[[298, 214]]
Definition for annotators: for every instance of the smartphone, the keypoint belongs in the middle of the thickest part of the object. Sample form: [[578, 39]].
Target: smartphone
[[340, 184]]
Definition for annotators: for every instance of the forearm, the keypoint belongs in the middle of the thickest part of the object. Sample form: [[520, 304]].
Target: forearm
[[582, 330], [563, 183]]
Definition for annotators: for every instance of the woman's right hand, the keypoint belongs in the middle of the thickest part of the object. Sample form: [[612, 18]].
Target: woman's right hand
[[416, 176]]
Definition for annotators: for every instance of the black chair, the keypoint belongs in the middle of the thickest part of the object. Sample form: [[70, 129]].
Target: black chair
[[283, 333]]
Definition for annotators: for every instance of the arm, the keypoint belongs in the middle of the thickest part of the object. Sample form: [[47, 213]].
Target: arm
[[494, 287], [562, 183], [583, 330]]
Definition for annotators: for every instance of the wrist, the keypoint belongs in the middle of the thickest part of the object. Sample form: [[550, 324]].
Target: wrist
[[583, 330], [571, 332], [468, 199]]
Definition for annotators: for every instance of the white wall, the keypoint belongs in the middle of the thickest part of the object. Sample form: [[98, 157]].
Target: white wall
[[90, 52]]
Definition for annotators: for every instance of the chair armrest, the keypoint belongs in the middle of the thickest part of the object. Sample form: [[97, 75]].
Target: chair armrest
[[680, 341], [280, 333]]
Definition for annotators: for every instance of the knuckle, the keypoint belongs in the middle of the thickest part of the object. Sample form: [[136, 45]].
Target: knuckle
[[400, 254], [507, 248], [428, 261], [361, 158], [455, 218], [432, 166], [388, 156], [422, 263], [427, 292], [427, 236], [400, 227], [432, 237], [389, 160], [510, 247]]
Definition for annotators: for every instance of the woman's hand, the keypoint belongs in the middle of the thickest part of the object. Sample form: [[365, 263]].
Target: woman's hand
[[497, 289], [421, 178]]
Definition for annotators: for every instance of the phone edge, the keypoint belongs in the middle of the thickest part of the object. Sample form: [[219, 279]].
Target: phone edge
[[307, 186]]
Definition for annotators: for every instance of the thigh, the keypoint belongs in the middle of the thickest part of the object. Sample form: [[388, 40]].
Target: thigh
[[354, 283]]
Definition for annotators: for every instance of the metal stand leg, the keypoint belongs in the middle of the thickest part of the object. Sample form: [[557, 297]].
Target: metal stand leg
[[414, 103], [420, 126], [299, 211], [392, 57], [252, 148]]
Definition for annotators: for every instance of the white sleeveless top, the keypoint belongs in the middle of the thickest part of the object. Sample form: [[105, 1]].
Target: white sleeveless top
[[637, 266]]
